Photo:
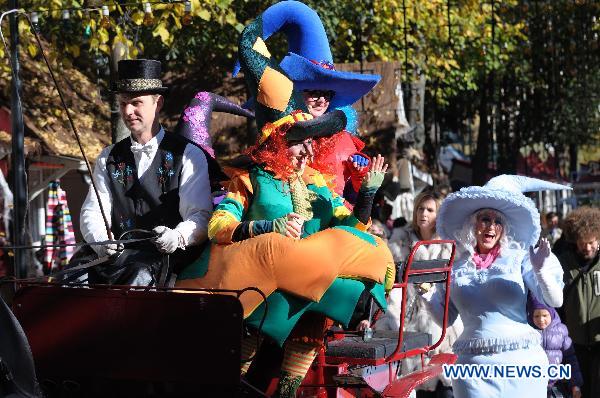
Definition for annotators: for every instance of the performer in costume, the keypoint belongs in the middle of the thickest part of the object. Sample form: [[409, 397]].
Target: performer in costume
[[194, 122], [281, 198], [496, 227], [194, 126], [309, 64]]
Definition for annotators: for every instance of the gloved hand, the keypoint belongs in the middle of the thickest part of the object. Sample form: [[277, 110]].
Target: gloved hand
[[552, 292], [538, 257], [168, 240], [358, 168], [374, 177], [107, 250], [359, 160], [289, 225]]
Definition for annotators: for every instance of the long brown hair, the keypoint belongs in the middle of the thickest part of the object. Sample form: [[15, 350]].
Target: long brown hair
[[427, 194]]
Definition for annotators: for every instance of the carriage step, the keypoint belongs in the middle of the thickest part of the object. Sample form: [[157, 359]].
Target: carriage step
[[345, 380]]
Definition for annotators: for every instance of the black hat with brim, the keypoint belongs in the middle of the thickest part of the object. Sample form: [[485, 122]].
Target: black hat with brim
[[139, 76], [322, 126]]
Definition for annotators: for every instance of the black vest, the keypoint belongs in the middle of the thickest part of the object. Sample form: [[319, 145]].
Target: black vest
[[154, 200]]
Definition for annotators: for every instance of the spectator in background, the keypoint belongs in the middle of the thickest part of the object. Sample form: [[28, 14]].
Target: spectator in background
[[581, 264], [558, 346], [552, 232]]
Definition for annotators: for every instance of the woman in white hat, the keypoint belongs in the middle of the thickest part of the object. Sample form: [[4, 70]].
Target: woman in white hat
[[496, 227]]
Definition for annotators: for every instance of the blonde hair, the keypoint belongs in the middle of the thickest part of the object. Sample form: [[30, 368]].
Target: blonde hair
[[434, 195]]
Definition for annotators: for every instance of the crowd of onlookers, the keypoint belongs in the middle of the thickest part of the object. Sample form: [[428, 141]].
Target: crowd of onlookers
[[570, 334]]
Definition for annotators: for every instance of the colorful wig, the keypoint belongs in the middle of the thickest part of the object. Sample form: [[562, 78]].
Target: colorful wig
[[274, 156]]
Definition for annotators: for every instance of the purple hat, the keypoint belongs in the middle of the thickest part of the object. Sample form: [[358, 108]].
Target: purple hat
[[534, 304]]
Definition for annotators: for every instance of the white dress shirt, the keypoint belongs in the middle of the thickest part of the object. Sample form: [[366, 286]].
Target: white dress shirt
[[195, 200]]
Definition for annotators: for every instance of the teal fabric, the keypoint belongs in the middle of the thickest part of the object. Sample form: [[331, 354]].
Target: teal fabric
[[232, 206], [359, 234], [338, 303], [271, 198]]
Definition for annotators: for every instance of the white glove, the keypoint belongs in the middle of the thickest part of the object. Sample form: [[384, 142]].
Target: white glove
[[538, 257], [552, 292], [168, 240], [107, 250]]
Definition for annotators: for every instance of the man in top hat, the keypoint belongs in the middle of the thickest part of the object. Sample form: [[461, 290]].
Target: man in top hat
[[152, 180]]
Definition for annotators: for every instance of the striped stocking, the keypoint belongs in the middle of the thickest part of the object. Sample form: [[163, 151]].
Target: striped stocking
[[297, 359], [249, 347]]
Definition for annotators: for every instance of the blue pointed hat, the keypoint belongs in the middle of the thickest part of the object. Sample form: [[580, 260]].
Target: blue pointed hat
[[503, 193], [279, 107], [309, 62]]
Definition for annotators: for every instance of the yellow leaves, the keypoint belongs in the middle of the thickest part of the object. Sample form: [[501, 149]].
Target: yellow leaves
[[230, 18], [102, 35], [137, 17], [161, 31], [177, 21], [32, 49], [74, 49], [23, 26], [204, 14], [199, 10]]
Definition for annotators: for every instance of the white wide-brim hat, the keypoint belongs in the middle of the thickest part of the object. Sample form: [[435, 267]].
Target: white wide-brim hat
[[504, 194]]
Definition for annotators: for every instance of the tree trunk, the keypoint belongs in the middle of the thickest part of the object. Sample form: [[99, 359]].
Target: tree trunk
[[118, 130], [416, 109], [572, 159], [480, 160]]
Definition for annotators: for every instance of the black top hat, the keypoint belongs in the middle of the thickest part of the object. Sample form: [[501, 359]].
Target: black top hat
[[139, 76]]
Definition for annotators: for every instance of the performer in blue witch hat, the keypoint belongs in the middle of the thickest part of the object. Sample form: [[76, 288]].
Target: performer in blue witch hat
[[309, 64]]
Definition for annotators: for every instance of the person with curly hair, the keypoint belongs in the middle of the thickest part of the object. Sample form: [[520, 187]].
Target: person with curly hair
[[581, 264]]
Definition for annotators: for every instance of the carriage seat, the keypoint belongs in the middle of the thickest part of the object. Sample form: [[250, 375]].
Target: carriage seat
[[382, 344], [421, 265]]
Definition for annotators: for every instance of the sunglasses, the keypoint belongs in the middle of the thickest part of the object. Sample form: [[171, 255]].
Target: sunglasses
[[488, 220], [314, 95]]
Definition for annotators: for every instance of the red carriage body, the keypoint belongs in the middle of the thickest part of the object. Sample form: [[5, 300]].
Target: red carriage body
[[174, 343]]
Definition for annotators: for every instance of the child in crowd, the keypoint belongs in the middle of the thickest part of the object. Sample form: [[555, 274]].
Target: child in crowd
[[558, 346]]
